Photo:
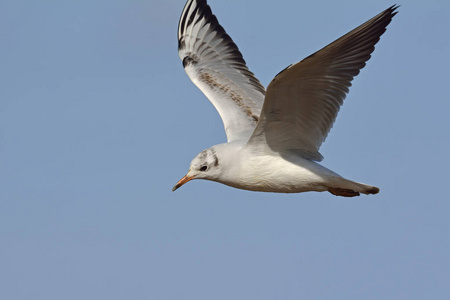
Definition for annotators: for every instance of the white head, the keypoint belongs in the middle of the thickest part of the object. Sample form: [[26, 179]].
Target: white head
[[205, 165]]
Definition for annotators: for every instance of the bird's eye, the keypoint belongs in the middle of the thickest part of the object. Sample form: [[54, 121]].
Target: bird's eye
[[203, 168]]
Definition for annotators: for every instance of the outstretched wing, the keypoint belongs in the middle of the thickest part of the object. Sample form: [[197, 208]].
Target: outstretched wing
[[303, 100], [215, 65]]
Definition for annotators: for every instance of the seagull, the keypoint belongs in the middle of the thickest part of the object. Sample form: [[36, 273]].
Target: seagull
[[273, 134]]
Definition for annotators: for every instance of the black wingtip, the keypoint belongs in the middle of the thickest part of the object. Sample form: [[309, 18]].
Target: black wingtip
[[200, 5], [393, 9], [202, 9]]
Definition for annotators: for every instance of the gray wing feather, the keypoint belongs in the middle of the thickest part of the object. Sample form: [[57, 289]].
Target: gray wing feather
[[303, 100]]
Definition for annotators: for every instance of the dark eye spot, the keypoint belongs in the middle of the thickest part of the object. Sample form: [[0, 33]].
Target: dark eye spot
[[203, 168]]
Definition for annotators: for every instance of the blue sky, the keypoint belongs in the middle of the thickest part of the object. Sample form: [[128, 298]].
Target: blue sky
[[98, 121]]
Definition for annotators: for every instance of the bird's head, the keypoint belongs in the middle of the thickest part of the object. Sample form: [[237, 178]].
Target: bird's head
[[204, 166]]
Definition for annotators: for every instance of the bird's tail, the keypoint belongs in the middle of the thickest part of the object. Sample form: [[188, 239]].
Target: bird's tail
[[350, 188]]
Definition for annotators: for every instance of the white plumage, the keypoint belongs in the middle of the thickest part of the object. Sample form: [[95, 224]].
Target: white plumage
[[273, 136]]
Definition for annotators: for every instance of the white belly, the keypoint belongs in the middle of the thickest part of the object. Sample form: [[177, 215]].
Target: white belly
[[275, 174]]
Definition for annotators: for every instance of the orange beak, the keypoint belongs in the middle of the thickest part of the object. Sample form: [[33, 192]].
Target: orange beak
[[181, 182]]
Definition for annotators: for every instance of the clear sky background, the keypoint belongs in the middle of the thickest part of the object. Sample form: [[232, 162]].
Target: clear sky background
[[98, 121]]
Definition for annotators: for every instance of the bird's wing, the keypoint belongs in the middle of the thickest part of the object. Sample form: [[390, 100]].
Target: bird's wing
[[215, 64], [303, 100]]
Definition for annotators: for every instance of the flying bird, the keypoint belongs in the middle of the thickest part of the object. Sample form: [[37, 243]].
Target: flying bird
[[273, 134]]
